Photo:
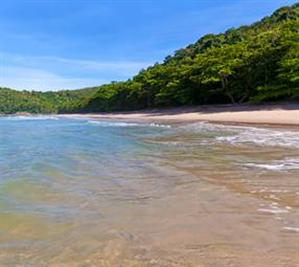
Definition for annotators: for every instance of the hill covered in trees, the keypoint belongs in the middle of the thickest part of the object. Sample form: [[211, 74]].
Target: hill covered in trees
[[255, 63], [12, 101]]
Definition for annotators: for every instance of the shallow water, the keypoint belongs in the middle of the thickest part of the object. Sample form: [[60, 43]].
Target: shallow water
[[78, 192]]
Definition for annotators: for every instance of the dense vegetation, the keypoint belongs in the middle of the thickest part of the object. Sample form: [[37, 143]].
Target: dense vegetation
[[255, 63], [12, 101]]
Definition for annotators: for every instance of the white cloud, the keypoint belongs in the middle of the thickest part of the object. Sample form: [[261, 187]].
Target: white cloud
[[34, 79], [55, 73]]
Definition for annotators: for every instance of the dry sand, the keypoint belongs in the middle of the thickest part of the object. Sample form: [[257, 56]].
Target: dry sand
[[283, 114]]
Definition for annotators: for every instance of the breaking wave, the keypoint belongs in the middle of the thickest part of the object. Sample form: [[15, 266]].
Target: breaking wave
[[243, 134], [278, 165], [28, 118], [125, 124]]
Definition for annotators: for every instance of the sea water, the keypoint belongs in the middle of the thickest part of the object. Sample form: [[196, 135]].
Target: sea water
[[76, 191]]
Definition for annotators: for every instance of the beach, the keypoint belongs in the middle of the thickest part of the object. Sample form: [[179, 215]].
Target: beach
[[152, 188], [283, 114]]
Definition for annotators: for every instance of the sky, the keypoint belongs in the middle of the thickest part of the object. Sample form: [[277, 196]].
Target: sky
[[69, 44]]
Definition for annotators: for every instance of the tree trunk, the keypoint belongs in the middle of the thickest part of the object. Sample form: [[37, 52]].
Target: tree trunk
[[247, 91], [244, 97], [232, 99]]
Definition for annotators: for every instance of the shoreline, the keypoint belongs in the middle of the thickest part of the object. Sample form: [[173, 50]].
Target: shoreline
[[283, 115]]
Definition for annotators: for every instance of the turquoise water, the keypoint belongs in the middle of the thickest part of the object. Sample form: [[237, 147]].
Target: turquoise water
[[61, 156], [81, 192]]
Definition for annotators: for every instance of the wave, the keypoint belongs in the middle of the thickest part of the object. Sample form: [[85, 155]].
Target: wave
[[291, 229], [278, 165], [244, 135], [28, 118], [274, 208], [125, 124], [264, 137]]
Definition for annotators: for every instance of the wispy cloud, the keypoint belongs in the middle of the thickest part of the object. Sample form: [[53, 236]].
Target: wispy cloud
[[34, 79], [56, 73], [121, 67]]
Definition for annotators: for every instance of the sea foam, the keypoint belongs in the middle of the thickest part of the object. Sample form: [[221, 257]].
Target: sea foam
[[291, 229], [278, 165], [29, 118], [243, 134], [125, 124]]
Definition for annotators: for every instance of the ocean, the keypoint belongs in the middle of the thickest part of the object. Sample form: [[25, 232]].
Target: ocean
[[80, 192]]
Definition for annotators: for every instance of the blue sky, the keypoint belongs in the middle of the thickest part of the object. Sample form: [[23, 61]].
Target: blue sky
[[68, 44]]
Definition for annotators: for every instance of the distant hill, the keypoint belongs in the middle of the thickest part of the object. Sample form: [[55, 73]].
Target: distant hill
[[12, 101], [255, 63]]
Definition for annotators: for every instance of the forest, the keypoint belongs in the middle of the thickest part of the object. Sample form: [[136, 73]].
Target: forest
[[250, 64]]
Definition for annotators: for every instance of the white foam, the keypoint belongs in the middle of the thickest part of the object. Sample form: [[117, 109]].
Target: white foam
[[274, 210], [278, 191], [243, 134], [29, 118], [112, 124], [159, 125], [292, 229], [278, 165], [205, 127], [125, 124], [263, 137]]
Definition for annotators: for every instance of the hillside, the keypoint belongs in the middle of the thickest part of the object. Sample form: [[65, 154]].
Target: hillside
[[12, 101], [256, 63]]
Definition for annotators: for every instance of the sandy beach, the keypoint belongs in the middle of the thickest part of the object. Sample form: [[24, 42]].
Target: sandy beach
[[283, 114]]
